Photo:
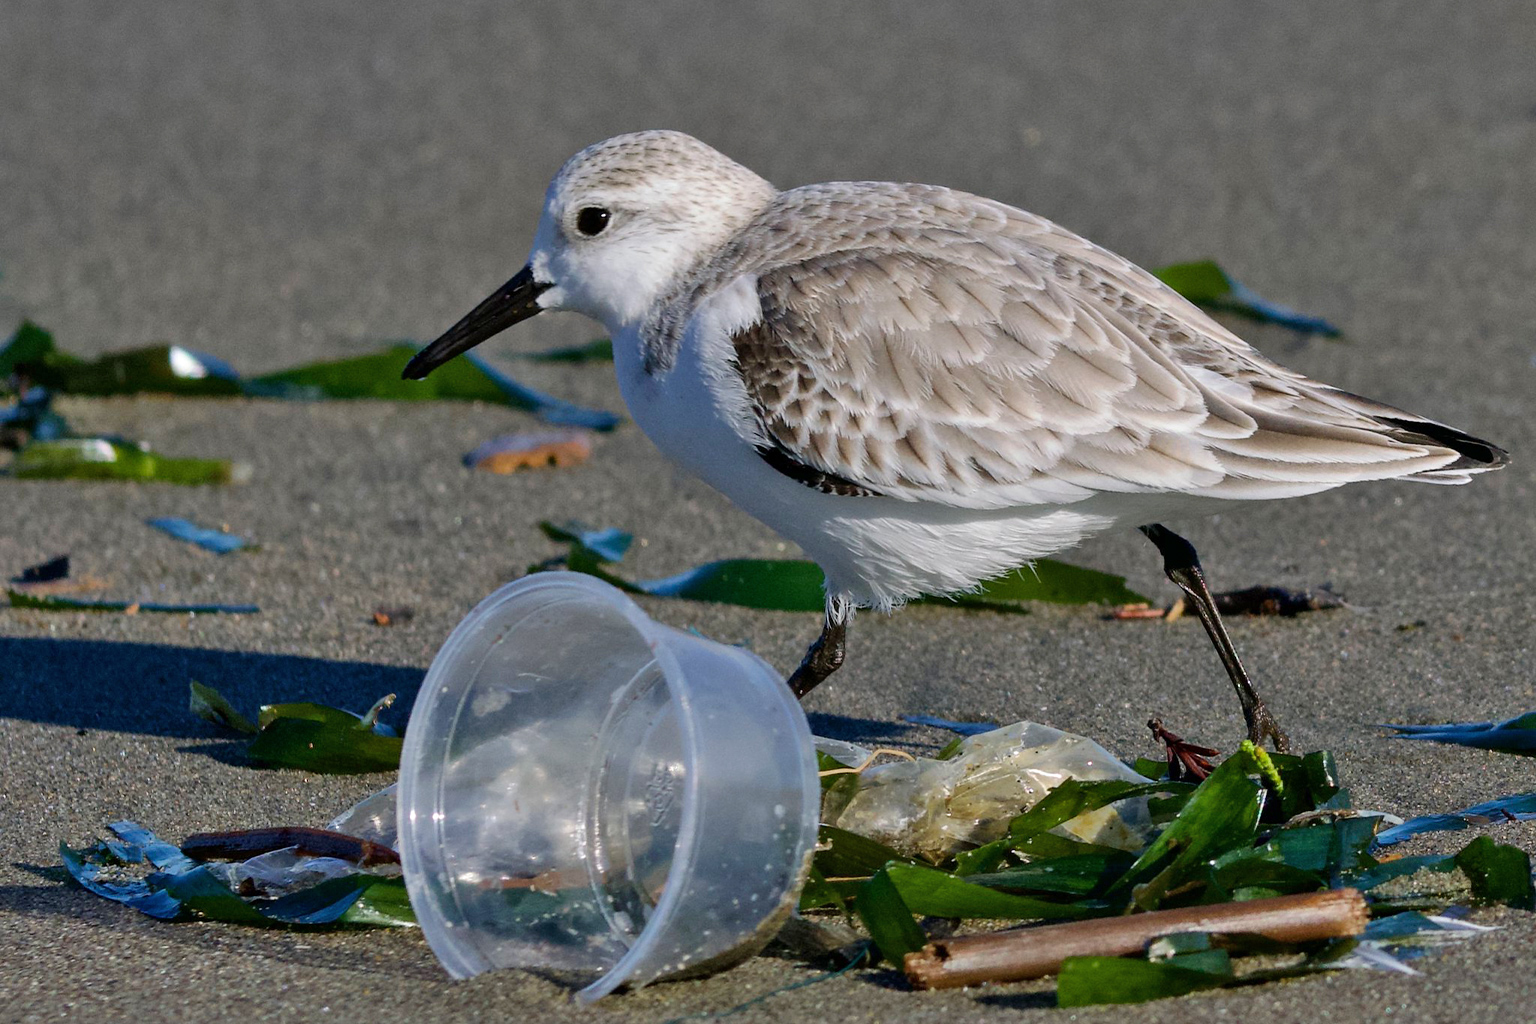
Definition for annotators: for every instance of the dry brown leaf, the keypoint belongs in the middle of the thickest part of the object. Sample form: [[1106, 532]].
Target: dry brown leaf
[[512, 452]]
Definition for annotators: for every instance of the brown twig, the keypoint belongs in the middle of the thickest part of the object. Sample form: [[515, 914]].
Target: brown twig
[[1176, 610], [1249, 601], [314, 842], [1276, 601], [864, 765], [1036, 952], [1187, 762], [1139, 610]]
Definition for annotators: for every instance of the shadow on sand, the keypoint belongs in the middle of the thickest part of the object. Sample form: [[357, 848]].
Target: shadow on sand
[[142, 688]]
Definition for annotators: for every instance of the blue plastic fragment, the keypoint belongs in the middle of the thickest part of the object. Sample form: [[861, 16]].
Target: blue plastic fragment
[[546, 407], [51, 603], [1520, 807], [216, 541], [963, 728], [1513, 735], [1275, 313], [190, 364], [610, 544]]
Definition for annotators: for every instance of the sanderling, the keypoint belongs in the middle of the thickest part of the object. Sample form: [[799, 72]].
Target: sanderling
[[924, 388]]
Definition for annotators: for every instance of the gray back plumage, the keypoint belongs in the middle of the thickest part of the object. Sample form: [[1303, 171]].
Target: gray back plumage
[[928, 344]]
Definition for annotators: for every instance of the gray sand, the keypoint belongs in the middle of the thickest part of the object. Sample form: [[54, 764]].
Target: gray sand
[[303, 181]]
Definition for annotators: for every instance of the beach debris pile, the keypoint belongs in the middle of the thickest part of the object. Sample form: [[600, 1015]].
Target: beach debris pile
[[1267, 844], [1125, 884]]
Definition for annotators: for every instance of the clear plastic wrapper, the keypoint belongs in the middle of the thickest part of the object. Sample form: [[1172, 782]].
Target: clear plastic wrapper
[[371, 818], [930, 808]]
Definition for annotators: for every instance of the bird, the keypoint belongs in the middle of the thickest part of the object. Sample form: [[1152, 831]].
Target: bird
[[925, 388]]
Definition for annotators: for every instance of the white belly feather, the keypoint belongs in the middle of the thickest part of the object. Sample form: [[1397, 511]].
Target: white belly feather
[[878, 552]]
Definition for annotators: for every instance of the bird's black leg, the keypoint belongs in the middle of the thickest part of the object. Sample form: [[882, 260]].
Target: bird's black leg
[[1183, 567], [825, 655]]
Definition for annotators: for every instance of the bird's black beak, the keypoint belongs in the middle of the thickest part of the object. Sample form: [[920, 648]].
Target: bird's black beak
[[516, 300]]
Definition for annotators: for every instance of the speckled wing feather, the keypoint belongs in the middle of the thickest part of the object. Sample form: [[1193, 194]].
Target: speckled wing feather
[[931, 345]]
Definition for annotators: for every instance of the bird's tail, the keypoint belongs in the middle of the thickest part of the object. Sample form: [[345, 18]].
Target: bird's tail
[[1474, 455]]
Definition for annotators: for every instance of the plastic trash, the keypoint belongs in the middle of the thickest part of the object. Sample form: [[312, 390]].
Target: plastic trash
[[583, 789], [371, 818], [930, 808], [281, 872]]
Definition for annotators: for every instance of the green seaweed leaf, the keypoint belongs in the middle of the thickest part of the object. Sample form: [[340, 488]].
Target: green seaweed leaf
[[775, 585], [381, 902], [29, 347], [1063, 803], [1074, 874], [589, 545], [1499, 873], [1092, 980], [818, 892], [887, 919], [1221, 815], [324, 739], [798, 586], [161, 369], [209, 704], [1391, 870], [1204, 283], [844, 854], [598, 350], [177, 370], [101, 458], [377, 375], [926, 890]]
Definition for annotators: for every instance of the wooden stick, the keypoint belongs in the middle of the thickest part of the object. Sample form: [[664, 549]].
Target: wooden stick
[[315, 842], [1035, 952]]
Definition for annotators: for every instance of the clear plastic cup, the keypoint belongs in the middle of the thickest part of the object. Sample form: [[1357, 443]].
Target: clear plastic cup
[[583, 789]]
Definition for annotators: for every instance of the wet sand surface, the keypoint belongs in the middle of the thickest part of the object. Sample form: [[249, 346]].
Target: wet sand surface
[[294, 181]]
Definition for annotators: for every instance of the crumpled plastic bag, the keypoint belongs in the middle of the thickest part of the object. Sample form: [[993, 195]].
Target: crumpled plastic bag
[[281, 872], [371, 818], [932, 809]]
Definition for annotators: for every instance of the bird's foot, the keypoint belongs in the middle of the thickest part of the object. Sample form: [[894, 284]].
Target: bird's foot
[[803, 680], [1262, 726], [823, 658]]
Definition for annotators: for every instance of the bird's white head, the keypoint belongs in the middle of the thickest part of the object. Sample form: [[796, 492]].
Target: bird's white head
[[623, 220]]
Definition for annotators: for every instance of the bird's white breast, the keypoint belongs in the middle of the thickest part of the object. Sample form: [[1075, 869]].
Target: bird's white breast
[[877, 551]]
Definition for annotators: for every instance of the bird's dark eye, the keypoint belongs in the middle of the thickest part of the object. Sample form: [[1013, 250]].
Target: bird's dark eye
[[592, 219]]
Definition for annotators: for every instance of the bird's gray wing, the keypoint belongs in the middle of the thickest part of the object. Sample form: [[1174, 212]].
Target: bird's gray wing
[[1016, 363]]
